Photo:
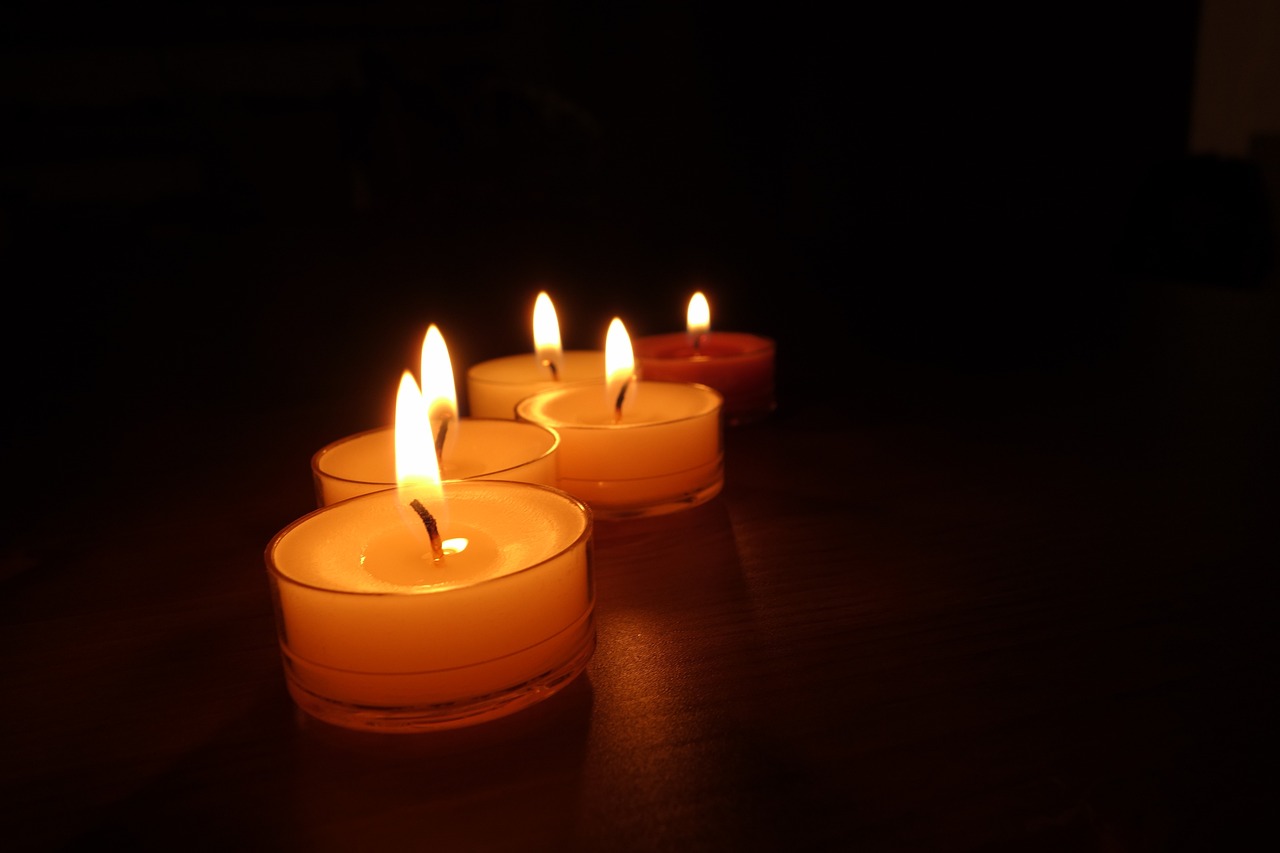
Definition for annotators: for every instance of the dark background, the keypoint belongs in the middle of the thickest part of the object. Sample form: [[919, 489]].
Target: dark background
[[1039, 336], [214, 208]]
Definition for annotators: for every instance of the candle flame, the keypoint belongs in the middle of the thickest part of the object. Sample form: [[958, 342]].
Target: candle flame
[[417, 469], [619, 364], [699, 315], [438, 388], [546, 333]]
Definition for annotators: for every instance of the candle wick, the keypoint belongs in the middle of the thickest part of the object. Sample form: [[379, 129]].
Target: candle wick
[[440, 436], [617, 406], [433, 530], [551, 365], [697, 343]]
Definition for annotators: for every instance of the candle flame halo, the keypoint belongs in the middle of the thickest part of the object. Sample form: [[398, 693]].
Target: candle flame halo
[[546, 334], [619, 365], [698, 317]]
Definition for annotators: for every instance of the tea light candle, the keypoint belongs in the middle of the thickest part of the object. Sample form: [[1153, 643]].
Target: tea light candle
[[738, 365], [495, 386], [633, 448], [390, 623], [473, 448], [482, 449]]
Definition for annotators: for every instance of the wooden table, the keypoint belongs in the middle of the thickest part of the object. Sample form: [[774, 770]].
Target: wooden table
[[941, 612]]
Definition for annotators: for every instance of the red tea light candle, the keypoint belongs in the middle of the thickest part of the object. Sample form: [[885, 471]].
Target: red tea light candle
[[469, 448], [633, 448], [434, 604], [495, 386], [738, 365]]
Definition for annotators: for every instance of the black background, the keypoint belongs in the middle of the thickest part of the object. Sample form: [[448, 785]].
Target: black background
[[216, 208]]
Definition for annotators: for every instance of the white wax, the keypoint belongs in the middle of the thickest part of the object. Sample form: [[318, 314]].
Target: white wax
[[495, 386], [475, 448]]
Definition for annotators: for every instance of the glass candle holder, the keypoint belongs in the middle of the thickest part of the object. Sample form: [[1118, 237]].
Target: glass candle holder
[[738, 365], [375, 636], [663, 455], [479, 448]]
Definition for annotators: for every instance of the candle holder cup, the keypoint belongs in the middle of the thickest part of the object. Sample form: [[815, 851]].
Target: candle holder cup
[[367, 655], [663, 455]]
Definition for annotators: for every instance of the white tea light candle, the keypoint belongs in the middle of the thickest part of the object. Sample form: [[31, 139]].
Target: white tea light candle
[[375, 635], [634, 448], [482, 448], [466, 448], [495, 386]]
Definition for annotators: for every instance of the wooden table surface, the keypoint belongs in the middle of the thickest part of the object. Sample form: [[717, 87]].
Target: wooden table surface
[[936, 612]]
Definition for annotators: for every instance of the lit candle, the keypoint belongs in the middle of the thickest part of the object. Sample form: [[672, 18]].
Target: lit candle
[[495, 386], [433, 604], [633, 448], [469, 448], [738, 365]]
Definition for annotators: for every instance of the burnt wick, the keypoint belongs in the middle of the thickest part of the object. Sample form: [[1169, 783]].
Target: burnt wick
[[433, 530], [617, 405], [551, 365], [440, 437]]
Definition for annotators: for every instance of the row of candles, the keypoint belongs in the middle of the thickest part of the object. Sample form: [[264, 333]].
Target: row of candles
[[447, 576]]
